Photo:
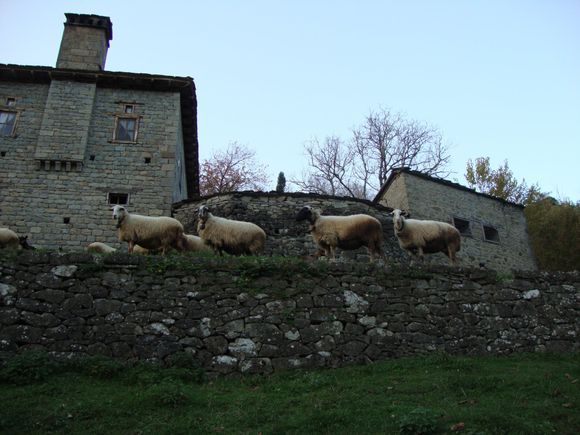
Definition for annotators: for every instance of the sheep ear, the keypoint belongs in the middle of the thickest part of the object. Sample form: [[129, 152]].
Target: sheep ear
[[405, 213]]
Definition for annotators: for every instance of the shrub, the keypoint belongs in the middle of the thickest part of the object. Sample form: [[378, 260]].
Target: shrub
[[28, 367]]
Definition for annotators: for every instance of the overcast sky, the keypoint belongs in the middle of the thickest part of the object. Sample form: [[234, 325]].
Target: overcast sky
[[498, 78]]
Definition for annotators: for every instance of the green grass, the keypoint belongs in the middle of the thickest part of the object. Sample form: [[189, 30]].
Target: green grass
[[519, 394]]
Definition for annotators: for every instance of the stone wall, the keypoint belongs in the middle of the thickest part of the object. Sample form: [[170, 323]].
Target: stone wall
[[428, 199], [62, 207], [259, 315], [275, 213]]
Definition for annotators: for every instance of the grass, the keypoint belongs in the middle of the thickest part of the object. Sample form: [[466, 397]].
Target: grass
[[519, 394]]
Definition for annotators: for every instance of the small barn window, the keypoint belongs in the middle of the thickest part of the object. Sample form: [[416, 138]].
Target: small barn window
[[10, 102], [129, 108], [490, 234], [463, 226], [118, 198]]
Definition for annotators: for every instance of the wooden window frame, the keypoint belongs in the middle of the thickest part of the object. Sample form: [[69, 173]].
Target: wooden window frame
[[133, 117], [15, 124], [119, 194], [469, 232], [496, 239]]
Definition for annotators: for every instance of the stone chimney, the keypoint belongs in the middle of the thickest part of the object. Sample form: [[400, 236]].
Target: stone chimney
[[85, 41]]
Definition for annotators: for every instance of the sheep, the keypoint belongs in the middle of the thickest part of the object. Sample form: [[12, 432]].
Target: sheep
[[100, 248], [230, 236], [196, 244], [149, 232], [10, 240], [344, 232], [419, 237], [141, 250]]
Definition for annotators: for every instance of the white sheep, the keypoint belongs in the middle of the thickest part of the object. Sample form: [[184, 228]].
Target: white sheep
[[344, 232], [100, 248], [419, 237], [230, 236], [10, 240], [196, 244], [149, 232]]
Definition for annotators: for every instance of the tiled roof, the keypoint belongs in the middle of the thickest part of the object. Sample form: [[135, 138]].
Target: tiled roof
[[395, 172]]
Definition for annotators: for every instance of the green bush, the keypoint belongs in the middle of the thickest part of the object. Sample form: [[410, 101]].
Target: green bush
[[101, 367], [28, 367]]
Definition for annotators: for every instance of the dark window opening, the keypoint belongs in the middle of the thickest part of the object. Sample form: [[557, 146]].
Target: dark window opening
[[147, 159], [7, 122], [463, 226], [118, 198], [126, 129], [92, 157], [129, 108], [66, 220], [3, 153], [490, 234], [11, 102]]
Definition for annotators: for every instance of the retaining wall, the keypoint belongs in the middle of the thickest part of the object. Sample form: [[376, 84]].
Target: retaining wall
[[260, 315]]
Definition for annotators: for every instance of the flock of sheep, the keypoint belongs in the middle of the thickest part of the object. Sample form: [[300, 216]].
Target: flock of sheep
[[217, 234]]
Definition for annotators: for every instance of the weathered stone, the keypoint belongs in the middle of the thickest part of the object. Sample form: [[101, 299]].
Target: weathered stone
[[243, 348], [224, 364], [7, 294], [106, 306], [256, 366], [354, 302], [40, 320], [157, 329], [217, 345], [52, 296], [64, 271]]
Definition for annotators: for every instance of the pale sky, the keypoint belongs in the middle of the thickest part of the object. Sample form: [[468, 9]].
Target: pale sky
[[499, 78]]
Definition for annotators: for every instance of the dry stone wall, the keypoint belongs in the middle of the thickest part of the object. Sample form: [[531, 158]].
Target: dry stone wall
[[276, 213], [261, 315]]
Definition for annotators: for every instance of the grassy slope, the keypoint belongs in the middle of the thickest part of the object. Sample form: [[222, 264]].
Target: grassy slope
[[520, 394]]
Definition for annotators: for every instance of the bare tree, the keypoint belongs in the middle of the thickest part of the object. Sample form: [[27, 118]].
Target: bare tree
[[331, 161], [383, 142], [234, 169]]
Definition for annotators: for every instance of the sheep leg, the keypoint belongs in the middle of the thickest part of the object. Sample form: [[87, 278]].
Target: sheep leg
[[421, 255], [131, 246], [452, 256]]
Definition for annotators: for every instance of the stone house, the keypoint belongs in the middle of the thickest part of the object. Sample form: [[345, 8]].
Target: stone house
[[494, 231], [76, 139]]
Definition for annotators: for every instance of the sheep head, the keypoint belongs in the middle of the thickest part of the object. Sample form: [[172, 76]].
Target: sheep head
[[119, 214], [306, 213], [399, 218], [203, 214], [24, 243]]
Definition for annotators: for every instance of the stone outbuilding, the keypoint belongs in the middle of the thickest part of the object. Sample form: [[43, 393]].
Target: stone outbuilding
[[76, 139], [493, 231]]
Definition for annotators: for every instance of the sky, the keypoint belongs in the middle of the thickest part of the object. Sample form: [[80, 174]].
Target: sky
[[498, 78]]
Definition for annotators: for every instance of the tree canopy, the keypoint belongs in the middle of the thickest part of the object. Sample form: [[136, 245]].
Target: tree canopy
[[360, 165], [234, 169], [500, 182]]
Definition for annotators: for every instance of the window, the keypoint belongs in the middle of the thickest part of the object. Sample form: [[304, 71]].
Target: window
[[118, 198], [7, 122], [10, 102], [490, 234], [126, 129], [129, 108], [463, 226]]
